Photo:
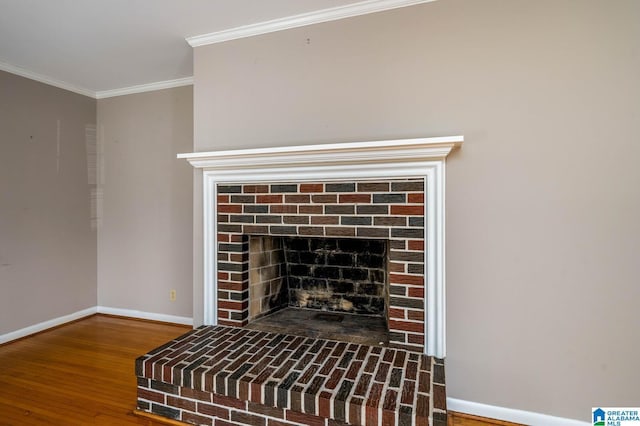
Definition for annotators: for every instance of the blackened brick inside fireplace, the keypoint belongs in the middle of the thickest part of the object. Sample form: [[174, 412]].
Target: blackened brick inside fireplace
[[331, 274], [347, 275]]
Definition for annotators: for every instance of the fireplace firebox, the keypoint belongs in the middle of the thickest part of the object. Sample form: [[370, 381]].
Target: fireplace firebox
[[334, 288], [329, 274]]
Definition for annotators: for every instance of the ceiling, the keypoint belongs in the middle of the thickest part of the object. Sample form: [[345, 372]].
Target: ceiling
[[100, 47]]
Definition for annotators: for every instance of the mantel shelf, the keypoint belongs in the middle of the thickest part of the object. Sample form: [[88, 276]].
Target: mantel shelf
[[400, 150]]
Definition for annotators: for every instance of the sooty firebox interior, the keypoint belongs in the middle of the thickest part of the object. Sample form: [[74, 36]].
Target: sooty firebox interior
[[319, 287]]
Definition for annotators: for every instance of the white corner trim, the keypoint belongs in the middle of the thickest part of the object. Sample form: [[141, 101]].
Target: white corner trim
[[301, 20], [145, 315], [36, 328], [46, 80], [511, 414], [141, 88]]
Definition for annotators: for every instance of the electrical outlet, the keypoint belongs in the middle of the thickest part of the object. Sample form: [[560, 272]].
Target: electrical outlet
[[172, 295]]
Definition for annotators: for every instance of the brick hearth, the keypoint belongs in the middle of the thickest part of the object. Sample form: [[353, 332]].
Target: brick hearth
[[219, 375]]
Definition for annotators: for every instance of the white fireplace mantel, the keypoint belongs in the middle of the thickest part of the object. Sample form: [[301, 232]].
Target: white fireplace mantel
[[404, 158], [326, 154]]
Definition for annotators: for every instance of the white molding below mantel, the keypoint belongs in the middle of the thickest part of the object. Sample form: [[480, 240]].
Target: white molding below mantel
[[403, 158]]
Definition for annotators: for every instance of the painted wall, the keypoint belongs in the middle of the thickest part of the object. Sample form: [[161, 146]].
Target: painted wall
[[144, 237], [47, 244], [543, 202]]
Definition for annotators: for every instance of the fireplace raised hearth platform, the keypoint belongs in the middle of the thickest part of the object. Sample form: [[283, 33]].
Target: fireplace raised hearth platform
[[219, 375]]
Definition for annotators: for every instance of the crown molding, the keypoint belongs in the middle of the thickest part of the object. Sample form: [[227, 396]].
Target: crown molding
[[149, 87], [301, 20], [141, 88], [46, 80]]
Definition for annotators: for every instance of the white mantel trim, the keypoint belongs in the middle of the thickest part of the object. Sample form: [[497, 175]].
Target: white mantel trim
[[414, 158], [301, 20], [382, 151]]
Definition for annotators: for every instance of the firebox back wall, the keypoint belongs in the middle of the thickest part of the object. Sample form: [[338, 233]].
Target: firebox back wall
[[386, 209], [336, 274], [340, 274]]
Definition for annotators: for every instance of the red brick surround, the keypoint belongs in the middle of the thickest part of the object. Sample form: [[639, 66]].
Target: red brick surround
[[389, 209]]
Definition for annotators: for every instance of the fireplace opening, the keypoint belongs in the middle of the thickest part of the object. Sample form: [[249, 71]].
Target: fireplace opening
[[333, 288]]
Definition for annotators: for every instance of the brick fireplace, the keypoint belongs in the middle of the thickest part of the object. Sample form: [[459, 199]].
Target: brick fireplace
[[388, 190], [356, 229]]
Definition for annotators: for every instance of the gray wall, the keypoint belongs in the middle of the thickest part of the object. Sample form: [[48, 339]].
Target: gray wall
[[542, 201], [47, 244], [144, 237]]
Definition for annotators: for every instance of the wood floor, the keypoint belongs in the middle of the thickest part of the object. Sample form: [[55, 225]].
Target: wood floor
[[78, 374], [83, 374]]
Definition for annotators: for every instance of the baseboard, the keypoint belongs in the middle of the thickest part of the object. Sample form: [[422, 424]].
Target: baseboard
[[36, 328], [512, 415], [145, 315]]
